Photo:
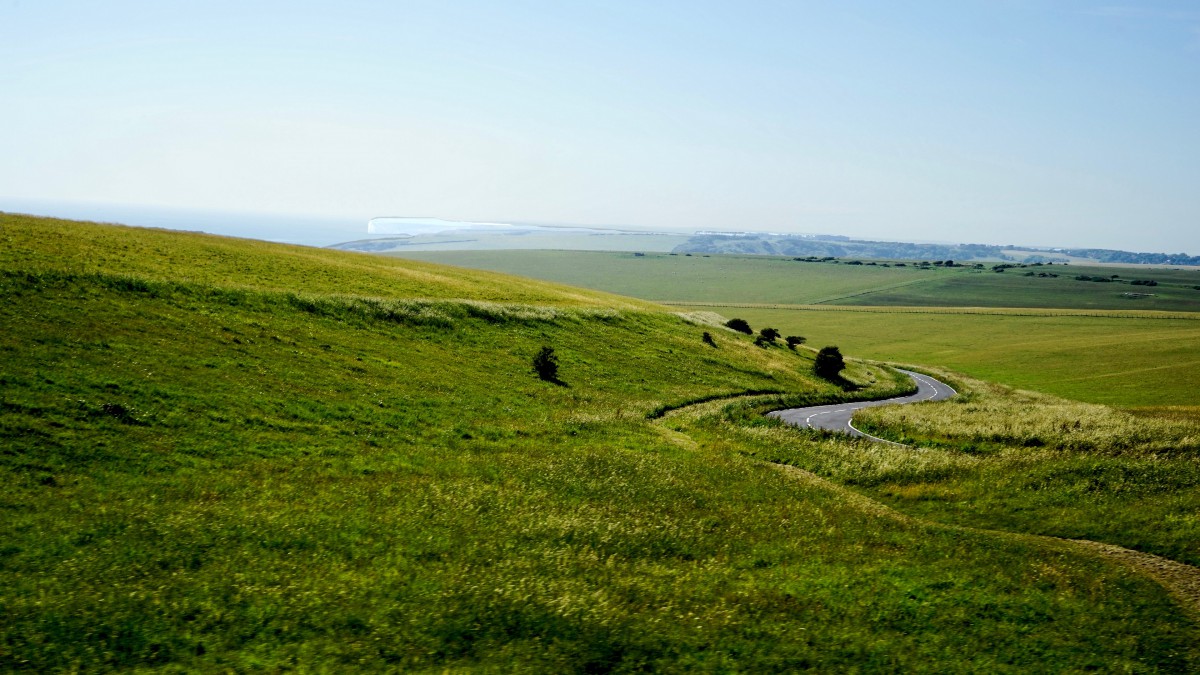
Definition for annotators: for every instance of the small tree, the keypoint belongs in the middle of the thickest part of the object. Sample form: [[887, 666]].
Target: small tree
[[769, 334], [708, 339], [546, 364], [740, 325], [829, 363], [793, 340]]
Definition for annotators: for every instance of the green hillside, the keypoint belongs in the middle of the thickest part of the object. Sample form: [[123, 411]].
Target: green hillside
[[1084, 340], [228, 455]]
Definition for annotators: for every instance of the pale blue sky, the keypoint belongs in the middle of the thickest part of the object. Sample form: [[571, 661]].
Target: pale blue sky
[[1056, 123]]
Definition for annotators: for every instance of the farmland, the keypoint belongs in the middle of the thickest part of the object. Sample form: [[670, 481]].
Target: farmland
[[721, 279]]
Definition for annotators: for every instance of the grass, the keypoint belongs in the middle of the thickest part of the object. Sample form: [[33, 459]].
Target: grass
[[223, 455], [1078, 339], [1113, 359], [1014, 460]]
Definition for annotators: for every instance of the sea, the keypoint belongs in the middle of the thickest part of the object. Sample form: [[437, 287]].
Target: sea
[[288, 229]]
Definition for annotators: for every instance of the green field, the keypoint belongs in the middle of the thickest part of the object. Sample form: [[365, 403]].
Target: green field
[[1109, 350], [1100, 359], [232, 456], [694, 278], [770, 280]]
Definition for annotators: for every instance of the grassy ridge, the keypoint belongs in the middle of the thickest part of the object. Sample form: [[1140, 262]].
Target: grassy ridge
[[31, 243]]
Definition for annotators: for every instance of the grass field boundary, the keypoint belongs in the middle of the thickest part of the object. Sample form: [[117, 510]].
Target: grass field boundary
[[993, 311]]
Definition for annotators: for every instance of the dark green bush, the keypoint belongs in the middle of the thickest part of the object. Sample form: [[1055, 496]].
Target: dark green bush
[[829, 362], [740, 325], [545, 364]]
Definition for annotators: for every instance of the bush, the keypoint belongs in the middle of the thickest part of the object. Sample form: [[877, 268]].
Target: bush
[[545, 364], [708, 339], [740, 325], [769, 334], [793, 340], [829, 363]]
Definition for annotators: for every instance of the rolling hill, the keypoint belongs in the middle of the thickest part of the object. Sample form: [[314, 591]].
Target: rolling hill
[[231, 455]]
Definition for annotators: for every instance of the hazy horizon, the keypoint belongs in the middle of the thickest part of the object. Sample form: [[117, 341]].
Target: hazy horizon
[[1065, 124], [326, 231]]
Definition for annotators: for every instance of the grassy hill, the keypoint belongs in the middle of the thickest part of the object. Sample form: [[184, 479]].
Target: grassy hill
[[230, 455]]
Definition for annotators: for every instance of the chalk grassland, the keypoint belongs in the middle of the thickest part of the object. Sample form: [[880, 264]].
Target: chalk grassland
[[237, 464], [770, 280]]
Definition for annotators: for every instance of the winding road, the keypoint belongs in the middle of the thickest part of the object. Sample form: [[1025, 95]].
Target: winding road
[[837, 417]]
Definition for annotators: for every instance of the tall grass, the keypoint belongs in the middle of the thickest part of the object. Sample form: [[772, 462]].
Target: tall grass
[[1000, 458]]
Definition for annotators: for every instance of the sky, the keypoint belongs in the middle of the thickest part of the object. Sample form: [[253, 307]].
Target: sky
[[1036, 122]]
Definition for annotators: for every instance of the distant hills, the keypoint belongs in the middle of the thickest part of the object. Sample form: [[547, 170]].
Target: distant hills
[[466, 236], [845, 247]]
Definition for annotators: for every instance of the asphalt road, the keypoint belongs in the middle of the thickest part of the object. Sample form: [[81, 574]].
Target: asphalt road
[[837, 417]]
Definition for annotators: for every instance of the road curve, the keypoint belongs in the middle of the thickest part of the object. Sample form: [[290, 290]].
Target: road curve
[[837, 417]]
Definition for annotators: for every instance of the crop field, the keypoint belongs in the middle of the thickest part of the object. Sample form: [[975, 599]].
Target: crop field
[[230, 456], [769, 280]]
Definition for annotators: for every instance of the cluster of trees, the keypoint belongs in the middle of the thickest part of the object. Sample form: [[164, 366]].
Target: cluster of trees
[[766, 337], [829, 361]]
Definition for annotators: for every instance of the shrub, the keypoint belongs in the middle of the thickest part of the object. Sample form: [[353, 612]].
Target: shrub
[[760, 341], [770, 334], [708, 339], [740, 325], [829, 362], [546, 364], [793, 340]]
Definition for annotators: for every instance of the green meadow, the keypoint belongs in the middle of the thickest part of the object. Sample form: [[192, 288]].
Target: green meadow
[[1093, 357], [1079, 339], [221, 455]]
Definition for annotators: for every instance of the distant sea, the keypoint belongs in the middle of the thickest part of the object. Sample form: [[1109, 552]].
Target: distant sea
[[287, 229]]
